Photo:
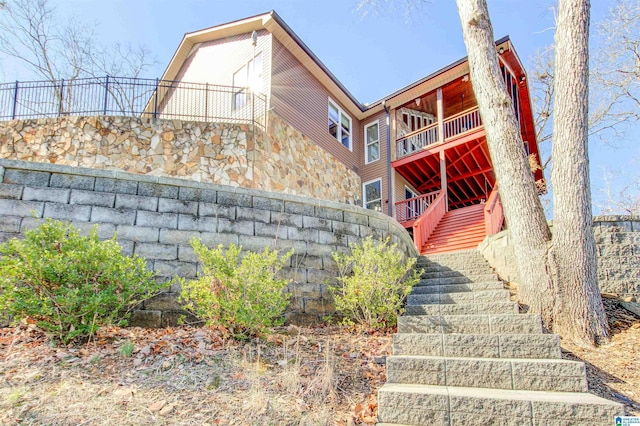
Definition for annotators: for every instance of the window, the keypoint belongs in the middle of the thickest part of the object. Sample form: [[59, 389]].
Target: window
[[372, 192], [339, 125], [372, 142], [249, 77]]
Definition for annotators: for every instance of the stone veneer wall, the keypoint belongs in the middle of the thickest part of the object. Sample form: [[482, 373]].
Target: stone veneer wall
[[155, 217], [237, 155], [618, 250], [288, 161]]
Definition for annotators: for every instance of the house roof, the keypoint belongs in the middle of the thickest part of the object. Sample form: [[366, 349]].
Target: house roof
[[272, 22]]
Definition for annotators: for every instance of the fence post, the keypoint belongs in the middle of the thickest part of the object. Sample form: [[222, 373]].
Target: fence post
[[206, 102], [60, 106], [155, 102], [106, 95], [15, 101]]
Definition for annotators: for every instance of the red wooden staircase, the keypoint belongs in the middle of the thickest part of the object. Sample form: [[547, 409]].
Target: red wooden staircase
[[459, 229]]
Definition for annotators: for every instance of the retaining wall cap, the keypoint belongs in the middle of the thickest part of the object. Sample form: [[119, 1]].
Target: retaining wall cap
[[84, 171], [616, 218]]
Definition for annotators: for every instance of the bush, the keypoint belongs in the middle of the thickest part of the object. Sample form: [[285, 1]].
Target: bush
[[70, 284], [373, 283], [241, 295]]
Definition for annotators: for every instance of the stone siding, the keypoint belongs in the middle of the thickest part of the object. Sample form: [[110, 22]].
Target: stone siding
[[618, 252], [237, 155], [155, 217], [288, 161]]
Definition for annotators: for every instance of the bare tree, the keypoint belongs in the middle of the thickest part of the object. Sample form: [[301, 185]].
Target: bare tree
[[616, 70], [66, 50], [568, 300]]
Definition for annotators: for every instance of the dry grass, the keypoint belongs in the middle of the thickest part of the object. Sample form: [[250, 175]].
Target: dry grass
[[321, 376]]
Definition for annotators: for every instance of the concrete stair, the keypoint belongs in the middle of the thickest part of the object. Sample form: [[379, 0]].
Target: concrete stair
[[463, 355]]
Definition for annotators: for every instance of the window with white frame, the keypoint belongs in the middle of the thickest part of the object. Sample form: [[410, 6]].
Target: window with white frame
[[372, 142], [247, 78], [372, 194], [339, 124]]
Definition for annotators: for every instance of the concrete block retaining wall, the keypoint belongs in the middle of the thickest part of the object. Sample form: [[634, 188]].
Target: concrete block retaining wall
[[618, 250], [155, 217]]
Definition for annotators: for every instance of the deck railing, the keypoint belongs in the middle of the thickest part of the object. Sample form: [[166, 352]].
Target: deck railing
[[133, 97], [415, 141], [412, 208], [462, 123], [426, 224], [453, 126], [493, 213]]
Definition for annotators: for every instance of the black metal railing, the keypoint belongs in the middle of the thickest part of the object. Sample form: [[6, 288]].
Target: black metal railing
[[132, 97]]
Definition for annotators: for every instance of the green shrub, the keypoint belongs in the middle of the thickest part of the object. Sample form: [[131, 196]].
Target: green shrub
[[373, 283], [70, 284], [241, 295]]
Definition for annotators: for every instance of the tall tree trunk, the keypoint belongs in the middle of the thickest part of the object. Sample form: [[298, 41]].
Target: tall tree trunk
[[579, 313], [522, 207]]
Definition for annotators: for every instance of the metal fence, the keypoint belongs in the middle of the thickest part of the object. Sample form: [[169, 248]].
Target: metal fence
[[132, 97]]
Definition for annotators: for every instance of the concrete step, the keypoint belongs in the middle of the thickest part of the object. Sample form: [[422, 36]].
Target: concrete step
[[459, 279], [453, 264], [448, 273], [556, 375], [461, 284], [463, 309], [425, 405], [478, 345], [467, 254], [471, 324], [439, 269], [468, 297]]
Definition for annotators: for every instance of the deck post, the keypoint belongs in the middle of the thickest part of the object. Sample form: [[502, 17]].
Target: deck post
[[443, 179], [440, 107]]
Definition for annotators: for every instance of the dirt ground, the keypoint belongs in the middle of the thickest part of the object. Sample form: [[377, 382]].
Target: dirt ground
[[186, 375], [613, 369]]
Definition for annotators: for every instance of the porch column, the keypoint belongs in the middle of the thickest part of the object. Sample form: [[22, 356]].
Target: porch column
[[440, 107], [443, 179]]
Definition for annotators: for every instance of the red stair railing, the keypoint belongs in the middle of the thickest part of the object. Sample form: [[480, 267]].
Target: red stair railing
[[426, 224], [493, 213]]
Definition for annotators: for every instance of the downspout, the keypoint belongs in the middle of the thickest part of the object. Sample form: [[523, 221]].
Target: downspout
[[389, 192]]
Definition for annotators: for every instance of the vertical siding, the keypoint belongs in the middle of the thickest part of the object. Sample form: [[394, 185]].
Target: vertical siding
[[301, 100], [377, 169]]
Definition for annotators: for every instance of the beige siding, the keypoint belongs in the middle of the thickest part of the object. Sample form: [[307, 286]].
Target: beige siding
[[301, 100], [377, 169], [215, 62]]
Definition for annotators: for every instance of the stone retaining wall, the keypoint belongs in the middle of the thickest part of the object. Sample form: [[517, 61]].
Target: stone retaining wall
[[618, 249], [155, 217], [239, 155]]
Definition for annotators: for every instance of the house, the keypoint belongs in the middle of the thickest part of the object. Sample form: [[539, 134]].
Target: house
[[418, 154]]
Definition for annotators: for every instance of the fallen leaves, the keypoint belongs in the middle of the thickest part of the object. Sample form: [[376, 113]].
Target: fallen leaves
[[193, 376]]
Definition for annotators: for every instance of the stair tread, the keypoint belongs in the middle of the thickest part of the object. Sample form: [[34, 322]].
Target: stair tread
[[503, 394]]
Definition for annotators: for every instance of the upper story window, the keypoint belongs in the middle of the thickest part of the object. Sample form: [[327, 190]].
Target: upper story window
[[372, 142], [247, 78], [339, 124]]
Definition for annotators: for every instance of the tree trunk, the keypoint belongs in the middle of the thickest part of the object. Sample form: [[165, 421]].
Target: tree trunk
[[522, 207], [579, 313]]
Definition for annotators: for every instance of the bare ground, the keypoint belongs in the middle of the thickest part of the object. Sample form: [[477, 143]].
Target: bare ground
[[308, 376], [186, 375]]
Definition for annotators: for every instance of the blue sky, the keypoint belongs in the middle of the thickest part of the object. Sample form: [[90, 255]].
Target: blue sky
[[372, 52]]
